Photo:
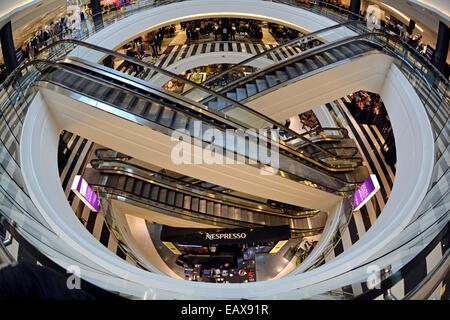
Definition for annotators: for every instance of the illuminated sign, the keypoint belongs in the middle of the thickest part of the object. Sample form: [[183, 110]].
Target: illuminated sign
[[366, 191], [85, 193], [278, 246], [214, 236], [171, 247]]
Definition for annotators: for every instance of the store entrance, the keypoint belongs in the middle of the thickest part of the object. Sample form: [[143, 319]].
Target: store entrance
[[222, 255]]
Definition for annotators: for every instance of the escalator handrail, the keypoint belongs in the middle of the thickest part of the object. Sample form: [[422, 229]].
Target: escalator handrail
[[167, 184], [318, 129], [267, 51], [292, 152], [307, 53], [111, 159], [121, 193], [396, 38], [199, 86]]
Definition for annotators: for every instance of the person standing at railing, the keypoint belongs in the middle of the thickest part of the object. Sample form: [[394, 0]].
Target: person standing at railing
[[47, 38], [58, 30]]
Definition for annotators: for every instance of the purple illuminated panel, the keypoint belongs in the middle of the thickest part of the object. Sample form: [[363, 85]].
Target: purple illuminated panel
[[85, 193], [365, 192]]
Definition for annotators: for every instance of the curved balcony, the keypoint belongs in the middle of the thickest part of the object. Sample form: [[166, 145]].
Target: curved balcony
[[391, 243]]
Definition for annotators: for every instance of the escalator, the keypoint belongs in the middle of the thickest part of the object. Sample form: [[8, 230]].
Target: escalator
[[165, 112], [300, 157], [143, 187], [292, 69]]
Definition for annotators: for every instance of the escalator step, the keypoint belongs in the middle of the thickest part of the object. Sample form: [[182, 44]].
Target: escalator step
[[261, 84], [71, 81], [194, 204], [121, 182], [180, 121], [190, 127], [356, 49], [224, 210], [221, 104], [328, 56], [166, 117], [241, 94], [209, 207], [311, 64], [154, 193], [271, 80], [143, 107], [205, 128], [202, 206], [153, 112], [291, 72], [251, 89], [113, 96], [245, 215], [282, 76], [212, 104], [78, 83], [338, 54], [320, 60], [171, 198], [302, 68], [112, 181], [217, 209], [146, 191], [236, 213], [365, 46], [129, 184], [132, 103], [118, 101], [187, 202], [94, 89], [232, 95], [346, 51], [107, 94], [138, 187], [162, 195], [179, 200]]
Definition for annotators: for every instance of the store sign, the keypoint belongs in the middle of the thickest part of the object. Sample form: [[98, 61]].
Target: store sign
[[85, 193], [429, 53], [215, 236], [366, 191], [196, 236]]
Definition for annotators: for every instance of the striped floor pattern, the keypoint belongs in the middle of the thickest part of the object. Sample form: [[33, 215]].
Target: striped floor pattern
[[369, 141], [79, 154], [175, 53]]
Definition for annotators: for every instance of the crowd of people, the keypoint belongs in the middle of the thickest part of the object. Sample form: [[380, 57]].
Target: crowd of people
[[303, 249], [367, 108], [71, 26], [283, 33], [221, 29]]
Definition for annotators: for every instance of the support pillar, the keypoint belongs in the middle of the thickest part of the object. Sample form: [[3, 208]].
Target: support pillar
[[355, 5], [440, 55], [97, 14], [8, 51]]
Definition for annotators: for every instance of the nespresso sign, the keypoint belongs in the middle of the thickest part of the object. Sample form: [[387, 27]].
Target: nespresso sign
[[217, 236], [225, 236]]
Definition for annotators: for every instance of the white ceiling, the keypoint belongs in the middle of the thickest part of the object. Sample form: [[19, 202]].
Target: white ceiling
[[424, 12], [22, 12]]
